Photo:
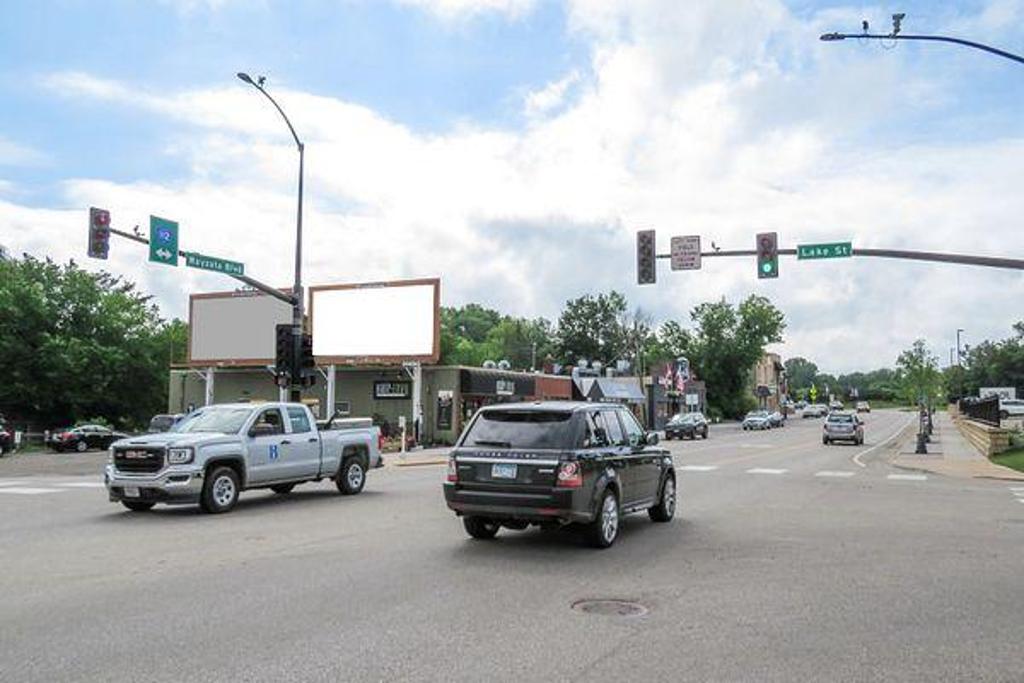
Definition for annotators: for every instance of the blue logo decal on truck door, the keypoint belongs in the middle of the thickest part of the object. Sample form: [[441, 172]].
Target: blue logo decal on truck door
[[273, 451]]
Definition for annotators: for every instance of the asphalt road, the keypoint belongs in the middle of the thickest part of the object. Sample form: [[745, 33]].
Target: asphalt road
[[789, 561]]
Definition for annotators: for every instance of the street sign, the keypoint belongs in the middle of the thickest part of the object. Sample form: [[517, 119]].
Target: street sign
[[218, 265], [826, 250], [686, 252], [163, 241]]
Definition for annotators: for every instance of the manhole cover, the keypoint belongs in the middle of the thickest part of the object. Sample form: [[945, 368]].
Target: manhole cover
[[610, 608]]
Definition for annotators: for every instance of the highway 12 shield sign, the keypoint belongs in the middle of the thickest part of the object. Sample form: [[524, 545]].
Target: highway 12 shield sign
[[163, 241]]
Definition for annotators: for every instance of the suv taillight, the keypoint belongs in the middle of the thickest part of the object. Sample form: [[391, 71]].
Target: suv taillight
[[453, 470], [570, 475]]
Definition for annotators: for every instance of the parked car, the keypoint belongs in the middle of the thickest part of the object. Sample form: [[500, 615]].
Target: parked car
[[835, 405], [1011, 407], [863, 407], [558, 463], [800, 405], [686, 425], [217, 452], [776, 419], [6, 439], [83, 438], [757, 419], [163, 422], [842, 427]]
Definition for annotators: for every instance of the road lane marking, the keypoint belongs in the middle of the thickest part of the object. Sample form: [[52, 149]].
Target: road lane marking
[[765, 470], [697, 468], [908, 477], [834, 473], [82, 484], [12, 482], [858, 456], [27, 490]]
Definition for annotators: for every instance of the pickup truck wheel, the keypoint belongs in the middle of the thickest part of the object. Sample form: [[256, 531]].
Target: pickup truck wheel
[[602, 532], [480, 527], [282, 488], [352, 477], [137, 506], [665, 510], [220, 491]]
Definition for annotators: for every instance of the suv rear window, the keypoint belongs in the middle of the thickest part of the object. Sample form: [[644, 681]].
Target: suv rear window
[[840, 418], [521, 429]]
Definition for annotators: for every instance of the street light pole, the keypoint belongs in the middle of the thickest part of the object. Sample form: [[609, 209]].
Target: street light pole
[[897, 20], [959, 363], [297, 293]]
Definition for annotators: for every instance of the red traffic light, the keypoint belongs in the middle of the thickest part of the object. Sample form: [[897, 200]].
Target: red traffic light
[[101, 218]]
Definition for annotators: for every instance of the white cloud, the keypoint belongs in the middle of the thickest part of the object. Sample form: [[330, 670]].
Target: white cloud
[[456, 9], [718, 119]]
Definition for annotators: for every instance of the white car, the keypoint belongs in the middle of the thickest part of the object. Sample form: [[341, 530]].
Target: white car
[[1011, 407]]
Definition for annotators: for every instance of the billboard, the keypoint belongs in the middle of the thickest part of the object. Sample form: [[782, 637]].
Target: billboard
[[376, 322], [234, 328], [1004, 393]]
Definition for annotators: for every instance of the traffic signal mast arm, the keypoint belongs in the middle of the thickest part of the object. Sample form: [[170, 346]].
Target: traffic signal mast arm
[[963, 259], [266, 289]]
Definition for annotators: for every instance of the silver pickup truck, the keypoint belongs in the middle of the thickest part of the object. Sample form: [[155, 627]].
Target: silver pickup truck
[[217, 452]]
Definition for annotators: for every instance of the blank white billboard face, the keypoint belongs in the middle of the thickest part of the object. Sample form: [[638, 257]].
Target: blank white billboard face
[[396, 321], [235, 329]]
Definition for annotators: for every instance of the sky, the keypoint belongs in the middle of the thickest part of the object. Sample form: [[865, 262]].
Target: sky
[[514, 148]]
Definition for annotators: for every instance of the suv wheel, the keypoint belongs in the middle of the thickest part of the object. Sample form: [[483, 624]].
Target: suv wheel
[[665, 510], [351, 477], [480, 527], [137, 506], [824, 440], [220, 491], [603, 531], [1004, 414]]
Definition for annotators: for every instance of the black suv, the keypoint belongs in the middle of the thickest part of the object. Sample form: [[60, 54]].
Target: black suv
[[686, 425], [558, 463]]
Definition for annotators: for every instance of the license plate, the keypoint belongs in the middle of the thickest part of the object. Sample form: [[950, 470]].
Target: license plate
[[503, 471], [131, 491]]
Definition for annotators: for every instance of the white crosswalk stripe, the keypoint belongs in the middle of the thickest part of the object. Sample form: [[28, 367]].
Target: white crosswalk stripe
[[82, 484], [765, 470], [27, 490], [908, 477], [697, 468], [834, 473]]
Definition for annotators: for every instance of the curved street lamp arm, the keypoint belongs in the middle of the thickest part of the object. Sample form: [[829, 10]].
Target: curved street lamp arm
[[940, 39], [283, 115]]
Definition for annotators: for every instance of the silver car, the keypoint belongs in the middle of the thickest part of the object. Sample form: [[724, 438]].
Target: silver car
[[842, 427], [757, 419]]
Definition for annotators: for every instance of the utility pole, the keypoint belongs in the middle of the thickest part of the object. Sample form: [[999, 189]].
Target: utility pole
[[297, 293]]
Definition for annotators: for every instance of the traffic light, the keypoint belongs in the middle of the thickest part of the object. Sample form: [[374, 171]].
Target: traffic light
[[307, 364], [284, 355], [99, 233], [646, 273], [767, 255]]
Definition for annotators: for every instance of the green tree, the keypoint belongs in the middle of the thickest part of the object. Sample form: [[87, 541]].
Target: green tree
[[726, 344], [590, 327], [800, 373], [918, 374], [77, 345]]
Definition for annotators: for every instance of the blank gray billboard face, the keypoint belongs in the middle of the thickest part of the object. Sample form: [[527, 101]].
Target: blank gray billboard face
[[234, 329]]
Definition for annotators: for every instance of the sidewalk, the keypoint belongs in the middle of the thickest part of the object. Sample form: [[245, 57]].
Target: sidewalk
[[951, 455], [423, 456]]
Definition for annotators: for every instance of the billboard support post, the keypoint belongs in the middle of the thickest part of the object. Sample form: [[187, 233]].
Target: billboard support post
[[417, 402], [332, 386], [208, 394]]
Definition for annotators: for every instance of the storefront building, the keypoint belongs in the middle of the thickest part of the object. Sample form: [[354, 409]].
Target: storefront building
[[450, 394]]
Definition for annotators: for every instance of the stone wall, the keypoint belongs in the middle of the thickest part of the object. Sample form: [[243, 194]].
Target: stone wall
[[987, 439]]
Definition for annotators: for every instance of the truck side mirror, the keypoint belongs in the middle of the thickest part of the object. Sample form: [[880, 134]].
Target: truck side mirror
[[262, 429], [653, 438]]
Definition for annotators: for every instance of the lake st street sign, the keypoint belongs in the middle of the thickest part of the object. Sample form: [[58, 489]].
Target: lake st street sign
[[218, 265], [686, 252], [826, 250], [163, 241]]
